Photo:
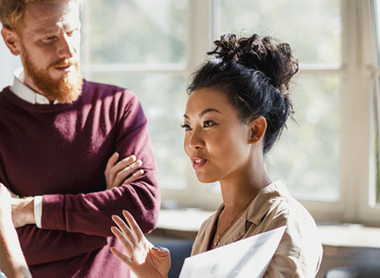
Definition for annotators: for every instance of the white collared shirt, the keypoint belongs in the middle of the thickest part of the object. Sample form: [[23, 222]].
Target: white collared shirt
[[26, 93], [21, 90]]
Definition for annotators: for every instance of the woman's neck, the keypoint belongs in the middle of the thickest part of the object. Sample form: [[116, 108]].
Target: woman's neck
[[238, 191]]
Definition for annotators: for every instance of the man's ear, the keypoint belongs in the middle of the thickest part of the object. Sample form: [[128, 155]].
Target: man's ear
[[12, 40], [257, 129]]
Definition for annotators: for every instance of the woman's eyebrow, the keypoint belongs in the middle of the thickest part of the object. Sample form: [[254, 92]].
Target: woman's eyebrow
[[208, 110], [204, 112]]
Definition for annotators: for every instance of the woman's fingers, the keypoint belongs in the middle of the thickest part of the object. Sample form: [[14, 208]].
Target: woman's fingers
[[121, 256], [141, 256], [127, 232], [133, 226], [126, 238], [125, 241]]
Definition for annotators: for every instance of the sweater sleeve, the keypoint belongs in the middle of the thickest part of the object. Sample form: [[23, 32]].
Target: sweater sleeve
[[51, 242], [90, 213]]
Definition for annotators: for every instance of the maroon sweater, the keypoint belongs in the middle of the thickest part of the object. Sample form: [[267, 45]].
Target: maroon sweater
[[60, 151]]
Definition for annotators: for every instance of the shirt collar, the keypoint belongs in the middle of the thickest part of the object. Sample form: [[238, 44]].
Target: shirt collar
[[264, 200], [24, 92]]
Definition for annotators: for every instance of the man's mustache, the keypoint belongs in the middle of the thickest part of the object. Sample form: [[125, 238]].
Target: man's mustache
[[63, 63]]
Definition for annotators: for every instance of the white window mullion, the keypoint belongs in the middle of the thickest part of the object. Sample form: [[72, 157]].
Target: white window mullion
[[368, 213]]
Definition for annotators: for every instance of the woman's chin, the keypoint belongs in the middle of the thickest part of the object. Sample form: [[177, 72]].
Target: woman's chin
[[204, 179]]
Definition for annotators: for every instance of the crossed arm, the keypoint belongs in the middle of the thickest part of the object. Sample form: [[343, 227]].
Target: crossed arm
[[18, 212], [116, 173], [145, 260]]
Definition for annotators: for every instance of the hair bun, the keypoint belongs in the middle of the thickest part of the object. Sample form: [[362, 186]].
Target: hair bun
[[276, 60]]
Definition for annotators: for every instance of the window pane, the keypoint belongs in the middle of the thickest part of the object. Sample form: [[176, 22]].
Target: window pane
[[307, 154], [135, 31], [318, 40], [163, 99], [377, 27]]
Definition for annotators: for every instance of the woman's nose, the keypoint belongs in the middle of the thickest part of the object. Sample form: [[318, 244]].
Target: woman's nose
[[194, 140]]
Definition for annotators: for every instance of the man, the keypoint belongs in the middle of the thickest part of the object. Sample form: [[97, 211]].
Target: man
[[60, 144]]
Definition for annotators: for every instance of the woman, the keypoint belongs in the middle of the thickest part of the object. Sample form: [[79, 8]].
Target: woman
[[238, 105]]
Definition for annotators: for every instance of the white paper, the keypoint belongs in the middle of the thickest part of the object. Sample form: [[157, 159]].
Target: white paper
[[248, 257]]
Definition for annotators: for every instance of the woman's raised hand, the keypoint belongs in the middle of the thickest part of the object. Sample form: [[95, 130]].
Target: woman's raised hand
[[141, 256]]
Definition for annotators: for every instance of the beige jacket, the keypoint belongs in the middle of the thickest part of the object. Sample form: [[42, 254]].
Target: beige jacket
[[300, 251]]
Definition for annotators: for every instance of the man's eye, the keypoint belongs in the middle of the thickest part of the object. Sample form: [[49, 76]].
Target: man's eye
[[71, 32], [51, 38]]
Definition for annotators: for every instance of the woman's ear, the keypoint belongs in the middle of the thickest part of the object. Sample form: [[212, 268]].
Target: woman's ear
[[12, 40], [257, 129]]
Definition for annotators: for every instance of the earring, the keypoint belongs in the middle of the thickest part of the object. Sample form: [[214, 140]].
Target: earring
[[256, 138]]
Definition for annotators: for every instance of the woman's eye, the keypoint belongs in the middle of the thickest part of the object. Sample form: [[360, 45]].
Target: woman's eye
[[208, 123], [186, 127]]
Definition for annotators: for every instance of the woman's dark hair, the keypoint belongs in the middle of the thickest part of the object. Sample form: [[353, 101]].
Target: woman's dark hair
[[255, 74]]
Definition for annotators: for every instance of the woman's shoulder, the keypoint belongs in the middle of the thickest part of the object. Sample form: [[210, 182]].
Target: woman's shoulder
[[275, 204]]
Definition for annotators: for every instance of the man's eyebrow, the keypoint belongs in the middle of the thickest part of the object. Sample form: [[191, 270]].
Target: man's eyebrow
[[204, 112]]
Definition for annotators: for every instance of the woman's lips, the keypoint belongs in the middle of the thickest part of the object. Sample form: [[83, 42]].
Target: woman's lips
[[198, 162]]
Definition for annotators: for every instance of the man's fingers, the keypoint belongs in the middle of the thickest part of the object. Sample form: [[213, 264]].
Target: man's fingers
[[123, 175], [122, 164], [133, 177], [112, 161]]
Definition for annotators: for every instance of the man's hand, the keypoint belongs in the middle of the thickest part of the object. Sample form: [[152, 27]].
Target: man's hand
[[23, 211], [119, 173]]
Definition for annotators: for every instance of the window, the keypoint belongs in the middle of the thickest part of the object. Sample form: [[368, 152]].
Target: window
[[152, 47]]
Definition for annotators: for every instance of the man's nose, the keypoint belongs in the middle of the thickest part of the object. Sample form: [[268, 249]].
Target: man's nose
[[66, 48]]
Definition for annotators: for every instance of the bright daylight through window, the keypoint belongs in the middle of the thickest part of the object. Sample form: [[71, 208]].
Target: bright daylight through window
[[152, 46]]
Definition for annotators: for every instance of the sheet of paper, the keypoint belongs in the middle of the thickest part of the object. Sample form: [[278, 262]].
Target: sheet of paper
[[249, 257]]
